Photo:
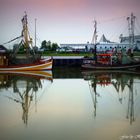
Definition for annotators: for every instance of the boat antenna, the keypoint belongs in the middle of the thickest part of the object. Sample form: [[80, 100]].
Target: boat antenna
[[131, 26], [94, 40]]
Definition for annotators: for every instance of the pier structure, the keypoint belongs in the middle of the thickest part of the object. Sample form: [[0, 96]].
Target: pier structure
[[68, 61]]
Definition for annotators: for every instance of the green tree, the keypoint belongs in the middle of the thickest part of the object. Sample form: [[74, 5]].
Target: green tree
[[44, 45], [54, 46], [49, 46], [48, 43]]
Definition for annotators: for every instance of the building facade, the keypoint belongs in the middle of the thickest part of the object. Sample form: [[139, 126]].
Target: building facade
[[106, 45], [125, 39]]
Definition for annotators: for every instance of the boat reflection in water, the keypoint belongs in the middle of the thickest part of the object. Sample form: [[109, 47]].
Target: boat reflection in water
[[65, 108], [125, 83], [25, 86]]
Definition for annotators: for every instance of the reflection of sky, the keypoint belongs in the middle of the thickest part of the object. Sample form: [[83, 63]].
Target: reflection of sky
[[66, 21], [66, 111]]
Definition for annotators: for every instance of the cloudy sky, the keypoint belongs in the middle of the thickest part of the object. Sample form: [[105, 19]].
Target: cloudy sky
[[67, 21]]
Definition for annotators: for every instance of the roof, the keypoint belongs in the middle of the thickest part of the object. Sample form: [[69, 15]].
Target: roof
[[3, 49], [103, 39]]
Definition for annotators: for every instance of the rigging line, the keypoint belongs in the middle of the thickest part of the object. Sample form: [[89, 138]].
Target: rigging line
[[113, 37], [138, 25], [13, 99], [112, 19], [38, 39], [44, 90], [136, 105], [120, 29], [108, 91], [32, 34], [137, 22], [13, 95], [18, 41], [136, 96], [137, 30], [120, 25], [31, 30], [124, 100], [112, 96], [12, 40], [12, 43]]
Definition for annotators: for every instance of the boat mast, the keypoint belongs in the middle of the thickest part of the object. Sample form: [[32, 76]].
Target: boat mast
[[25, 30], [94, 40], [131, 25], [35, 31]]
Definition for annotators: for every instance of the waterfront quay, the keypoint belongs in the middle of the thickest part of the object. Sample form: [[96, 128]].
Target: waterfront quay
[[67, 60], [70, 61]]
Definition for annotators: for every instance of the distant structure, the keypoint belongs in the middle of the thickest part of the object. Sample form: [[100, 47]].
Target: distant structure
[[104, 40], [125, 39], [103, 45], [131, 42], [132, 39], [83, 47], [106, 45]]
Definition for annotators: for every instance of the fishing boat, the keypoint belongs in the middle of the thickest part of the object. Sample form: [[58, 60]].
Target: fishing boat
[[29, 59], [115, 59]]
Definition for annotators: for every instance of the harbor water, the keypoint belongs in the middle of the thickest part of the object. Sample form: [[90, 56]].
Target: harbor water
[[70, 104]]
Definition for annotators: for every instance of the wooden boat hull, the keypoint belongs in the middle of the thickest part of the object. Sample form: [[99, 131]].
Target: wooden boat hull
[[98, 72], [111, 67], [43, 64]]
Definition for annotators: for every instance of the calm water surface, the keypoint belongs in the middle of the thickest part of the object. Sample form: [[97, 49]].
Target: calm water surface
[[70, 105]]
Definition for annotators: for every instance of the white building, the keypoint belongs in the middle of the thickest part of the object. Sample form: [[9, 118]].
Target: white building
[[102, 45], [125, 39]]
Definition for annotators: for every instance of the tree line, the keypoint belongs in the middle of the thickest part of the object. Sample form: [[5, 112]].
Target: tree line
[[49, 46]]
